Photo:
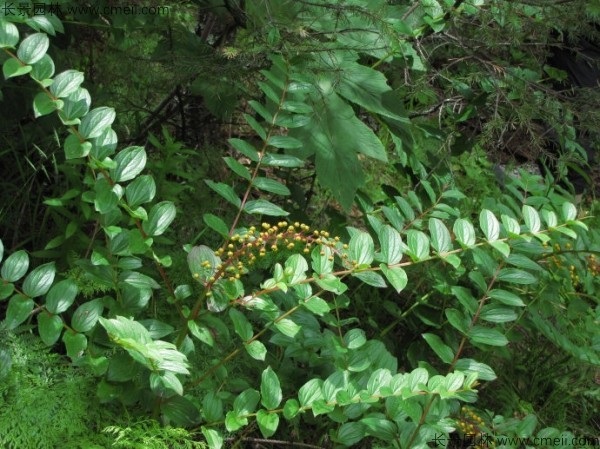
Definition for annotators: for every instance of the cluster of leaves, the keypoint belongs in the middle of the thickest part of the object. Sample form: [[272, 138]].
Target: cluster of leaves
[[285, 289]]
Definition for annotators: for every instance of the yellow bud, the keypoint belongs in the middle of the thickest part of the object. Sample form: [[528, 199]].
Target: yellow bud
[[196, 275]]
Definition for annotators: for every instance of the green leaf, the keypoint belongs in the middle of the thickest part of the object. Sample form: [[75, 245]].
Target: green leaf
[[569, 211], [74, 343], [180, 411], [264, 113], [74, 148], [106, 199], [246, 402], [366, 87], [9, 34], [270, 389], [516, 276], [33, 48], [464, 232], [86, 316], [44, 105], [443, 351], [141, 190], [241, 324], [456, 320], [486, 336], [505, 297], [296, 106], [257, 127], [43, 69], [256, 350], [49, 23], [104, 145], [550, 218], [12, 68], [418, 243], [61, 296], [18, 310], [129, 163], [320, 261], [417, 379], [263, 207], [216, 224], [489, 225], [350, 433], [137, 280], [371, 278], [164, 382], [310, 392], [95, 122], [331, 283], [391, 245], [495, 313], [511, 225], [6, 290], [202, 333], [361, 248], [316, 305], [501, 247], [76, 105], [335, 135], [282, 160], [226, 191], [234, 422], [5, 363], [237, 168], [38, 282], [355, 338], [245, 148], [65, 83], [197, 258], [287, 327], [380, 428], [156, 328], [483, 371], [160, 217], [15, 266], [285, 142], [521, 261], [291, 409], [532, 219], [212, 407], [213, 437], [49, 327], [267, 423], [440, 236], [270, 185]]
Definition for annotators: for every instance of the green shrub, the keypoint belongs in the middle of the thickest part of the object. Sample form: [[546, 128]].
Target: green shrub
[[268, 325]]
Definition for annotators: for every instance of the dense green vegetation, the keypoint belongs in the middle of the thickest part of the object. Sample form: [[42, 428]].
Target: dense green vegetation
[[268, 223]]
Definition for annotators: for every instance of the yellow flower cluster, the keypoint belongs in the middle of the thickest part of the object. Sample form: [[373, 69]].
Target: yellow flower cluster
[[593, 267], [243, 250], [471, 425]]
